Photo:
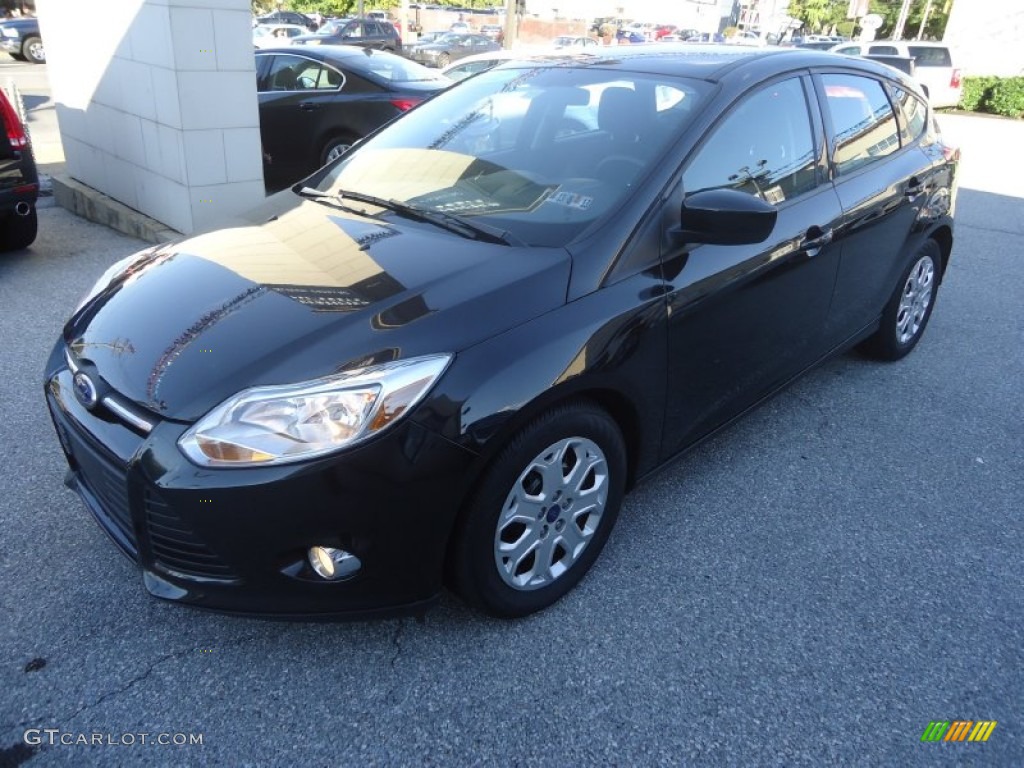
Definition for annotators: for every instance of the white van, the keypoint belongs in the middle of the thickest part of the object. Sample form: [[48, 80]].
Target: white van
[[933, 62]]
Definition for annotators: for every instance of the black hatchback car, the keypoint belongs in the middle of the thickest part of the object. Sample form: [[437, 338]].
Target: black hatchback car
[[315, 102], [447, 356]]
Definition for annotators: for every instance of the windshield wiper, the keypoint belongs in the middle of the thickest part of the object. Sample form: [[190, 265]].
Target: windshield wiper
[[448, 221], [325, 197]]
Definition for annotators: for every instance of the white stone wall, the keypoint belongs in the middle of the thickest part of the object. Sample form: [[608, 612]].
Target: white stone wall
[[156, 102], [987, 36]]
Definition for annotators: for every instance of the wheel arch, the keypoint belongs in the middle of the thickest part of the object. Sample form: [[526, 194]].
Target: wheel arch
[[943, 235], [616, 404]]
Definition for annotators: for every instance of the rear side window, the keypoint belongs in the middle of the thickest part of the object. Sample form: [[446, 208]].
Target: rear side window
[[914, 115], [863, 124], [930, 56], [764, 147], [884, 50]]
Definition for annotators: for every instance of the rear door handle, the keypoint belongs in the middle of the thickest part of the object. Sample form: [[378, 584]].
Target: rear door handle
[[308, 106], [914, 188], [816, 239]]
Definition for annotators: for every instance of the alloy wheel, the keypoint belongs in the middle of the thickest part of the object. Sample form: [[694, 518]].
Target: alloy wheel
[[551, 514], [915, 300]]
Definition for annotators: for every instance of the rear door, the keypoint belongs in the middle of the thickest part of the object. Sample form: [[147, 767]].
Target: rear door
[[882, 179]]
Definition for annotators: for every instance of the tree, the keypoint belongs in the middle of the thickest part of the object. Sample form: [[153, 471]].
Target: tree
[[818, 15], [889, 10]]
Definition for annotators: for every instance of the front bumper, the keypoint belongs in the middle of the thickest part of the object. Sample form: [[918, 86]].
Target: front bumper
[[235, 540], [10, 44]]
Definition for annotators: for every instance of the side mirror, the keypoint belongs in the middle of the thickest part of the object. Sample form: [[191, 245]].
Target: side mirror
[[725, 217]]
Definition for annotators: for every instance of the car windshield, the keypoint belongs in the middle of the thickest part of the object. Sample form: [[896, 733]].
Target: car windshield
[[330, 28], [539, 152]]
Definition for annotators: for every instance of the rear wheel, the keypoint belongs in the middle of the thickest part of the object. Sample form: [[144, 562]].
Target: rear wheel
[[17, 232], [335, 148], [542, 513], [909, 308], [33, 50]]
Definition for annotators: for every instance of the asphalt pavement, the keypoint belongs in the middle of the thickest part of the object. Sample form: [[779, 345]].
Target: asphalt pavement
[[812, 587]]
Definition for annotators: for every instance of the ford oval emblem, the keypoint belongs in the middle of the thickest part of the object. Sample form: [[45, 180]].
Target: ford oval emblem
[[85, 390]]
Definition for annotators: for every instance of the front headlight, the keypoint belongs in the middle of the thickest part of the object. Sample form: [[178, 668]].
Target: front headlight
[[9, 32], [294, 422]]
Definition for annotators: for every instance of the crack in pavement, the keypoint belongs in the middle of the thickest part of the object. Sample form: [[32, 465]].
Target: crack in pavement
[[396, 641], [127, 686]]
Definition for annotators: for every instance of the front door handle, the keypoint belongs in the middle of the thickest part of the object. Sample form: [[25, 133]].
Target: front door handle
[[815, 239], [308, 106]]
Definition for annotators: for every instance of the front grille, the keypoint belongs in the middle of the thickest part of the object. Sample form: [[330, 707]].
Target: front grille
[[176, 547], [107, 483]]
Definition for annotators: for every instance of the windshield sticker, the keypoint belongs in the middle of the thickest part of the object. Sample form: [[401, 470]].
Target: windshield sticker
[[571, 199], [774, 195]]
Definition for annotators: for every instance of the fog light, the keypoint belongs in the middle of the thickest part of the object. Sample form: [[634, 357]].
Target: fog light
[[333, 564]]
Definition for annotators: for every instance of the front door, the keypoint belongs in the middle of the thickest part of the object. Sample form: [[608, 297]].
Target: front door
[[743, 319]]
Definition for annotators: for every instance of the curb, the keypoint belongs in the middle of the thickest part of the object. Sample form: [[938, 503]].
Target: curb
[[95, 206]]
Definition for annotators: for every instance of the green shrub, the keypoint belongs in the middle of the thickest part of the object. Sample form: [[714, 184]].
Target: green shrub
[[1007, 97], [976, 92]]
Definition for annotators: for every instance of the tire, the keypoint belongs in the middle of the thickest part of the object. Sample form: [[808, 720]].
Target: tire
[[443, 60], [32, 49], [17, 232], [515, 552], [906, 315], [335, 147]]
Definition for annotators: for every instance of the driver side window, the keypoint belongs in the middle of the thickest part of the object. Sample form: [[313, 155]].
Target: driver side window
[[763, 147]]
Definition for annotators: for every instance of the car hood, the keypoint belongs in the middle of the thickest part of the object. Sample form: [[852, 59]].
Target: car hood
[[313, 291]]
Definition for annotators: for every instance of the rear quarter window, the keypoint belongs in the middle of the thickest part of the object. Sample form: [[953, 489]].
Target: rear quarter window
[[913, 113], [930, 56]]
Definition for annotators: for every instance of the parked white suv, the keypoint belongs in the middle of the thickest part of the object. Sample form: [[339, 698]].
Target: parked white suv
[[933, 63]]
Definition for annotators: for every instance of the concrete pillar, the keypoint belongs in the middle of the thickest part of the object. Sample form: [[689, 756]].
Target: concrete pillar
[[156, 102]]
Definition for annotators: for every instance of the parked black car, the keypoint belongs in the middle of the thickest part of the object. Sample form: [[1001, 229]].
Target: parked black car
[[366, 33], [317, 101], [22, 40], [450, 47], [453, 350], [19, 182], [288, 17]]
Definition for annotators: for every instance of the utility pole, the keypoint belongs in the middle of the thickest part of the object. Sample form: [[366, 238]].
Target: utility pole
[[511, 24], [924, 20], [901, 21]]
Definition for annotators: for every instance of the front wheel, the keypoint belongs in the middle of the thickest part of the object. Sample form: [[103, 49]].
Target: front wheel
[[443, 60], [907, 313], [542, 513], [33, 50]]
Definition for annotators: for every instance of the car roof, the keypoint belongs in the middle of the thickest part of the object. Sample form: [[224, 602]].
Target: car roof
[[711, 62], [329, 53]]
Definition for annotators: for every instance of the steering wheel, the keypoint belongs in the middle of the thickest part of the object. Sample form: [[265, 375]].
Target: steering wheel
[[306, 82], [618, 169]]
